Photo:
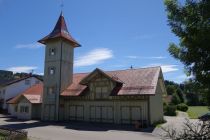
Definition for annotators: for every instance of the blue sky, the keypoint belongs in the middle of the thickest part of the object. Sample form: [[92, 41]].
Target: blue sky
[[114, 34]]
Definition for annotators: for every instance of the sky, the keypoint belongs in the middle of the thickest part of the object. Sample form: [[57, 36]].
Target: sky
[[114, 35]]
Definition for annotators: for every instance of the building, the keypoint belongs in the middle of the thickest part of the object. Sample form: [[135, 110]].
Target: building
[[27, 105], [12, 88], [122, 96]]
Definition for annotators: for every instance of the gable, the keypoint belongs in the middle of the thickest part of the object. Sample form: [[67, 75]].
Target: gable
[[23, 99], [100, 86], [96, 74]]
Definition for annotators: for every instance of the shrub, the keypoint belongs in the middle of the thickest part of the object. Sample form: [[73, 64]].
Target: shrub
[[170, 110], [182, 107], [175, 99]]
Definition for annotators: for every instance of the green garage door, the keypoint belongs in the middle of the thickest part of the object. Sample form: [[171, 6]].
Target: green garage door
[[101, 114], [76, 112], [130, 114]]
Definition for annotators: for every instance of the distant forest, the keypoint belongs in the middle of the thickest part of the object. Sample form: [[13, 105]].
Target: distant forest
[[188, 92]]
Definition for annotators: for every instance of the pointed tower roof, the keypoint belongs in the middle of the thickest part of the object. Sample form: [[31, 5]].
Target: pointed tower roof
[[60, 31]]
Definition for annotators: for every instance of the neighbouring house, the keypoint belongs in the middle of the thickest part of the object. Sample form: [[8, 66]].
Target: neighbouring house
[[12, 88], [121, 96], [167, 99], [27, 105]]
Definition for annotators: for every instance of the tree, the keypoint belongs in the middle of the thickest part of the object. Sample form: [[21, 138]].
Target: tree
[[170, 89], [191, 131], [190, 22], [180, 94], [175, 99], [195, 93]]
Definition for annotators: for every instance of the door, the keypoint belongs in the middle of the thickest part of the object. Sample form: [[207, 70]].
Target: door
[[76, 112], [130, 114], [101, 114], [125, 115], [135, 114]]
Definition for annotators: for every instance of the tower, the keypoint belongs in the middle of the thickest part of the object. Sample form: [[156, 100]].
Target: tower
[[58, 67]]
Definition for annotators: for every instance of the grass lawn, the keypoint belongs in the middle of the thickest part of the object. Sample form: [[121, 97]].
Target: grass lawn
[[195, 111]]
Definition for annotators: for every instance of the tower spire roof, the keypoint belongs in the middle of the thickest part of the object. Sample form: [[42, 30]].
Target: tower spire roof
[[60, 31]]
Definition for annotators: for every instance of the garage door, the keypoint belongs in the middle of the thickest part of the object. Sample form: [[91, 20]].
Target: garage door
[[130, 114], [76, 112], [101, 114], [49, 112]]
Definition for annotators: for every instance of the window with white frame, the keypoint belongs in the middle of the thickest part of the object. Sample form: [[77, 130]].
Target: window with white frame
[[24, 109], [27, 82]]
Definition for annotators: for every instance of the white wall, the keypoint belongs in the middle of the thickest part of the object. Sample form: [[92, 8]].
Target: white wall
[[16, 88], [23, 115], [11, 109], [156, 105]]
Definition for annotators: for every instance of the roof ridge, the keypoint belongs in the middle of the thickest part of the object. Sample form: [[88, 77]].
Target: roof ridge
[[121, 70]]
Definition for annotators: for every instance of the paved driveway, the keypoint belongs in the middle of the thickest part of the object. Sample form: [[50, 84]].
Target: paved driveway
[[87, 131], [176, 122], [77, 131]]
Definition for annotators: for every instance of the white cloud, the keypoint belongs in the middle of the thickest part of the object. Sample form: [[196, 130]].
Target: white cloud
[[29, 46], [93, 57], [169, 68], [165, 68], [182, 78], [26, 69], [150, 57]]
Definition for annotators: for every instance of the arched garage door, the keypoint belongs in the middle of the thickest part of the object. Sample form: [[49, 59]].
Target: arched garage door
[[76, 112], [130, 114]]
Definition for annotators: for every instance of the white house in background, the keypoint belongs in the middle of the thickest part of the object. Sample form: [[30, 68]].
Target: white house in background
[[27, 105], [15, 87]]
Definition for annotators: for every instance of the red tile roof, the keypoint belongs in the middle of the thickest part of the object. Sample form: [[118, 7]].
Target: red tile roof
[[32, 94], [60, 31], [141, 81]]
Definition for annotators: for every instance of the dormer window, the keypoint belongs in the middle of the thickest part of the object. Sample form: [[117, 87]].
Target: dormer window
[[52, 51], [52, 70]]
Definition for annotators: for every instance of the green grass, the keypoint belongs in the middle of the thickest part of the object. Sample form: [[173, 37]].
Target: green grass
[[195, 111]]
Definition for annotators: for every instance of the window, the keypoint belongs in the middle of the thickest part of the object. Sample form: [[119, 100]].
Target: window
[[37, 82], [51, 91], [52, 70], [101, 92], [27, 82], [52, 51], [24, 109]]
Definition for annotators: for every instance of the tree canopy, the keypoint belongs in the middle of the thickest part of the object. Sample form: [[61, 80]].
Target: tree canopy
[[190, 22]]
